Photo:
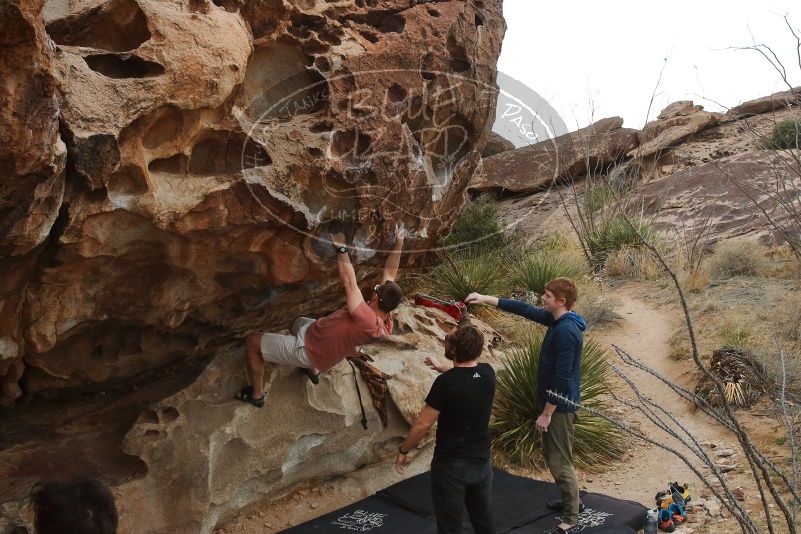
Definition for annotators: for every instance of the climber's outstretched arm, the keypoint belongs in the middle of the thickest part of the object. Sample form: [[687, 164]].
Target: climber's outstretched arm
[[353, 295], [393, 260]]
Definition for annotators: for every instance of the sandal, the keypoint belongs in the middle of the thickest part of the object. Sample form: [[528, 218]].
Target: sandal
[[314, 377], [246, 395]]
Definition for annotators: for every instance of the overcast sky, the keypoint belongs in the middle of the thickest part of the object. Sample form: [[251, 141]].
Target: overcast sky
[[611, 52]]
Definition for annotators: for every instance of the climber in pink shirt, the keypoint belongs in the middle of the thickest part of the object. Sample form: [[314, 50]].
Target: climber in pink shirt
[[318, 345]]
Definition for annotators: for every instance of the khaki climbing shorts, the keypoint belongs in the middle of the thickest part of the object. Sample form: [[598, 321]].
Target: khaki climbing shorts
[[287, 349]]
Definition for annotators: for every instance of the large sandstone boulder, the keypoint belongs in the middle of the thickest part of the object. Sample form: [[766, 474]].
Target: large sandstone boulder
[[728, 138], [765, 104], [496, 144], [195, 456], [210, 147], [676, 123], [537, 167], [694, 186]]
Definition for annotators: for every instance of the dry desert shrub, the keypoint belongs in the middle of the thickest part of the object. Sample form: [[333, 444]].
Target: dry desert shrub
[[741, 257], [632, 264]]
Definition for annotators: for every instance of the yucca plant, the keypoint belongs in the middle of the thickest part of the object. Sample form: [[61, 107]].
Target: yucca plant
[[614, 234], [476, 227], [597, 196], [534, 271], [517, 408], [457, 275], [785, 135]]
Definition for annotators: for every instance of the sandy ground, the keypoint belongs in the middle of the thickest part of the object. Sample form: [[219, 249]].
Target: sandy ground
[[646, 469], [643, 331]]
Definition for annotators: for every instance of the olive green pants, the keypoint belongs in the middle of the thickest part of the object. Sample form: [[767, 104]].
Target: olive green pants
[[557, 449]]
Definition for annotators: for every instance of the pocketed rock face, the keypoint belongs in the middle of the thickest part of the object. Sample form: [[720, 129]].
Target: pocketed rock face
[[208, 146], [32, 159]]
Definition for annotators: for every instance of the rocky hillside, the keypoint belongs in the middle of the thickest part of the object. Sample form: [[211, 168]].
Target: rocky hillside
[[691, 169]]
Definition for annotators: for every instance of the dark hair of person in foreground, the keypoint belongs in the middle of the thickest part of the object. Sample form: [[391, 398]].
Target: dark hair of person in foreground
[[79, 506]]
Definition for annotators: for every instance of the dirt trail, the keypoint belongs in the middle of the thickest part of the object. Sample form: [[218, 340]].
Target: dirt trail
[[644, 333]]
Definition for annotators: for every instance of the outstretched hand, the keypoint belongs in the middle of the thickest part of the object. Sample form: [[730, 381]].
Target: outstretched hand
[[475, 298], [435, 364]]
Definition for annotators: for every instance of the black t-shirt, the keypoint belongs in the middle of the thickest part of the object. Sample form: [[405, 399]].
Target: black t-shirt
[[463, 396]]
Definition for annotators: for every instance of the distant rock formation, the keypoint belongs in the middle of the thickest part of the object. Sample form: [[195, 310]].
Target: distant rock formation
[[692, 168], [765, 104], [715, 177], [496, 144], [537, 167], [676, 123]]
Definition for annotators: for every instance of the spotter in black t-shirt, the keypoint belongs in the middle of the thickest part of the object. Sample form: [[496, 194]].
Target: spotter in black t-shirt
[[463, 396]]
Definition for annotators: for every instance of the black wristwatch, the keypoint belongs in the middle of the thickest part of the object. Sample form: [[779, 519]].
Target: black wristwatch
[[400, 449], [342, 250]]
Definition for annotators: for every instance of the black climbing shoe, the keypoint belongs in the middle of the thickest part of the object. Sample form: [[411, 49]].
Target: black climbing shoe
[[314, 377], [575, 529], [557, 505], [246, 395]]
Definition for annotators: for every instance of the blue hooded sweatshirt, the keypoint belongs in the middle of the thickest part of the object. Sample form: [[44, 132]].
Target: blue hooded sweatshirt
[[560, 354]]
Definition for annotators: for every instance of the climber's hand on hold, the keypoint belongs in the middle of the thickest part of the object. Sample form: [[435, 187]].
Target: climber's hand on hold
[[338, 239], [400, 231]]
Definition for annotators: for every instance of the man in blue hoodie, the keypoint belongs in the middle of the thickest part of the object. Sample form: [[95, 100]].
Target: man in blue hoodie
[[560, 373]]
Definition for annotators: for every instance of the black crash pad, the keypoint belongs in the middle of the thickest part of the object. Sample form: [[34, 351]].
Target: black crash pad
[[602, 515], [519, 506], [373, 514]]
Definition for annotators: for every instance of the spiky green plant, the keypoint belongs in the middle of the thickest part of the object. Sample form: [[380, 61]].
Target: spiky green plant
[[517, 408], [597, 196], [785, 135], [477, 227], [536, 270], [457, 275], [615, 233]]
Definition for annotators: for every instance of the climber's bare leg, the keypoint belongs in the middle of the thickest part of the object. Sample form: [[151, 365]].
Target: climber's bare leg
[[255, 364]]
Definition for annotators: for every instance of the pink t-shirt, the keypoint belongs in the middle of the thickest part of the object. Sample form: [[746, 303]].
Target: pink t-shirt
[[332, 338]]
